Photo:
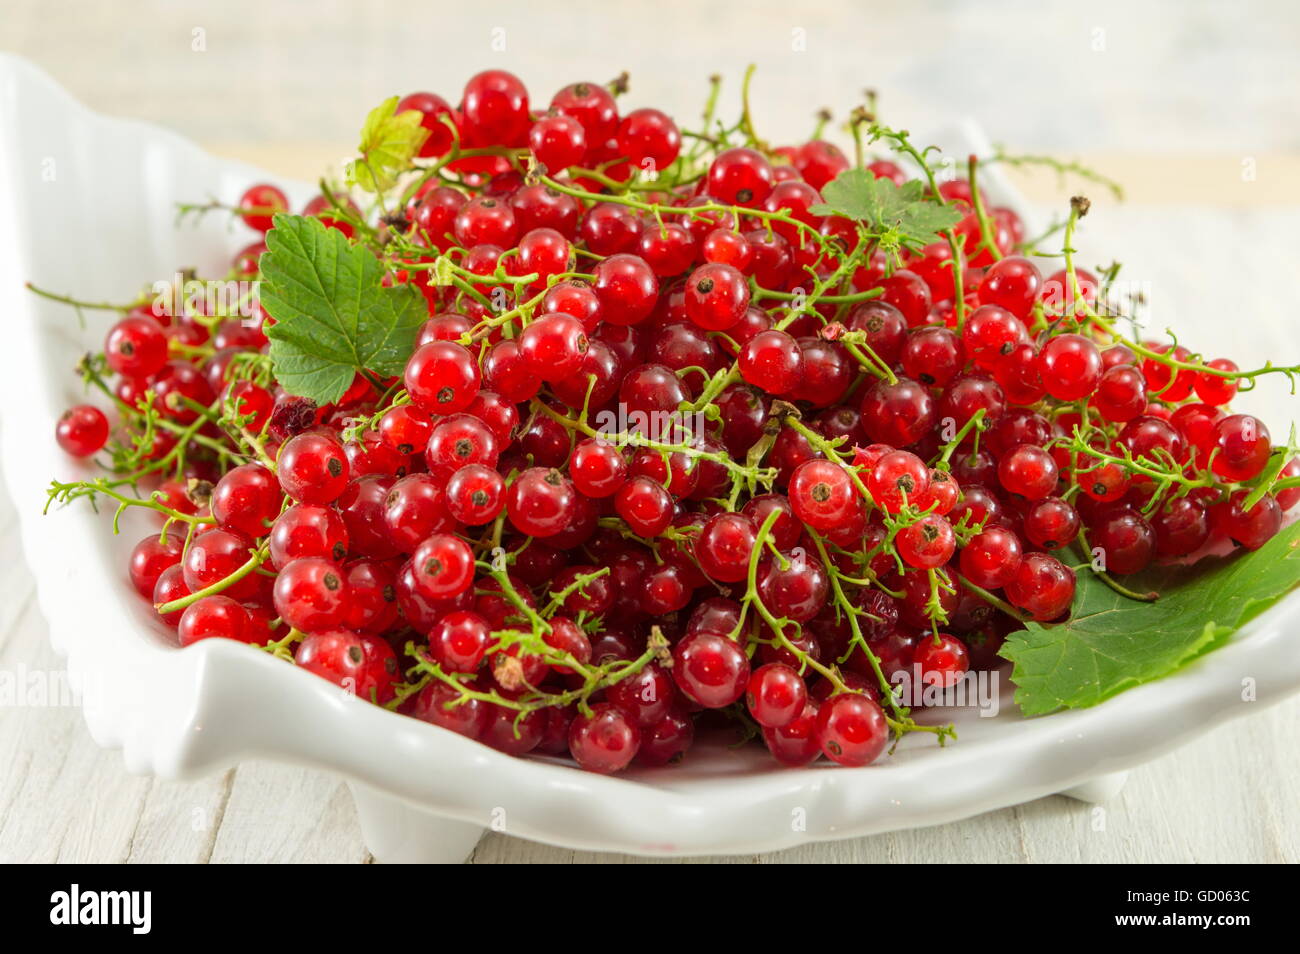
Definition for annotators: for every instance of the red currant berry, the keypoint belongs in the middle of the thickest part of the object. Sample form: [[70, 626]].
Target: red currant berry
[[776, 695], [1070, 367], [475, 495], [311, 594], [246, 499], [740, 176], [541, 502], [716, 296], [431, 108], [773, 361], [214, 616], [259, 203], [604, 741], [1043, 586], [851, 729], [313, 468], [82, 430], [711, 670], [442, 378]]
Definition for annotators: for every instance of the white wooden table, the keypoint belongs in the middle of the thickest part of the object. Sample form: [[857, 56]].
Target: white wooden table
[[1229, 797]]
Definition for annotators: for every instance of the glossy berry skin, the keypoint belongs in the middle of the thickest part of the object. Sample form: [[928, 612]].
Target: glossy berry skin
[[649, 138], [645, 696], [82, 430], [991, 558], [214, 616], [928, 543], [1012, 283], [1051, 523], [459, 641], [651, 387], [457, 441], [725, 545], [246, 499], [475, 495], [711, 670], [305, 530], [796, 590], [645, 506], [136, 347], [591, 105], [405, 428], [771, 360], [1043, 586], [553, 346], [412, 509], [597, 468], [1243, 444], [177, 387], [716, 296], [1126, 539], [541, 502], [1028, 471], [435, 704], [1070, 367], [943, 659], [442, 567], [1121, 393], [991, 332], [558, 142], [150, 557], [795, 744], [214, 555], [364, 666], [1251, 528], [822, 495], [667, 740], [259, 203], [431, 108], [495, 107], [932, 355], [897, 414], [626, 288], [898, 478], [311, 594], [372, 596], [740, 176], [851, 729], [776, 695], [313, 468], [442, 377], [605, 741]]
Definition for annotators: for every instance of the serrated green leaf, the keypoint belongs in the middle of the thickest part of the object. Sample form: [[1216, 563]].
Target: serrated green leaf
[[886, 207], [1113, 643], [389, 141], [333, 317]]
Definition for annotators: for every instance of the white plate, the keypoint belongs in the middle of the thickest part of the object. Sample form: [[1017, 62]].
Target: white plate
[[89, 210]]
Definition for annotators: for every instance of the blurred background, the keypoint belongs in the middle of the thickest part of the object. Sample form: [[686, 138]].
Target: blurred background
[[1171, 95]]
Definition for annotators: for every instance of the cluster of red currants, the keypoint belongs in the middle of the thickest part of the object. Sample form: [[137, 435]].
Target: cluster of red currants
[[894, 454]]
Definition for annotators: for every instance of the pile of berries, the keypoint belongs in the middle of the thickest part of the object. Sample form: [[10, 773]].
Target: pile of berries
[[676, 446]]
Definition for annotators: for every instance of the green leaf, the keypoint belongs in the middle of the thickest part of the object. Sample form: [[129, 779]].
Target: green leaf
[[333, 317], [1113, 643], [885, 207], [389, 141]]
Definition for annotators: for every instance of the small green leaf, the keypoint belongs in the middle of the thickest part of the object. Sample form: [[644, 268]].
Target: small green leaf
[[886, 207], [389, 141], [333, 317], [1113, 643]]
